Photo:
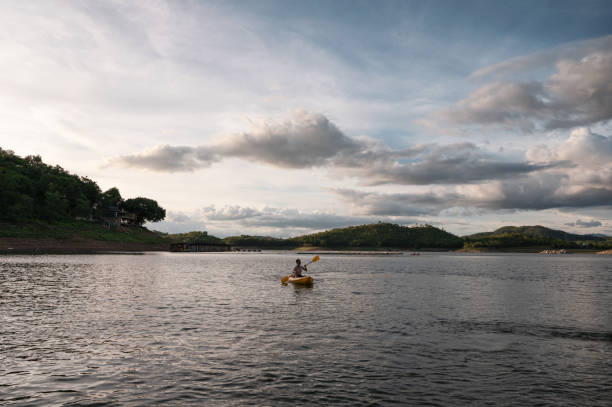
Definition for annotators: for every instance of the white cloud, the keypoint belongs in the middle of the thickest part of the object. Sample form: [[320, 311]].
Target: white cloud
[[279, 222], [577, 94], [584, 181], [308, 140], [154, 84], [544, 59]]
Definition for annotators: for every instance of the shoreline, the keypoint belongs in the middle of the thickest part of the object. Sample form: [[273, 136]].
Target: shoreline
[[25, 245], [352, 253], [32, 245]]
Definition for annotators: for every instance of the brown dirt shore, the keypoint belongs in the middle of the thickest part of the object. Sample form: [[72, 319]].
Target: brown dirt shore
[[18, 245]]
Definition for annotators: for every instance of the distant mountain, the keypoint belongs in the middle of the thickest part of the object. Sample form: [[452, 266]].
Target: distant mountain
[[534, 236], [598, 235], [537, 231], [372, 236]]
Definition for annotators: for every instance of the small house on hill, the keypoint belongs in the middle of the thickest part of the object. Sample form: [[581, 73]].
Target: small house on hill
[[116, 216], [200, 247]]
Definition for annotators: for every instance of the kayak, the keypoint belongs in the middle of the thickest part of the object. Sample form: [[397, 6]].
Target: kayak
[[301, 280]]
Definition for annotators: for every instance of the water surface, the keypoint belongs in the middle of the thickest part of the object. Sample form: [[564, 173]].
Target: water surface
[[220, 329]]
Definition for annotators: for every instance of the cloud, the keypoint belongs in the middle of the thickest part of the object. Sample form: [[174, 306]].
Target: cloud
[[305, 140], [589, 153], [577, 94], [534, 193], [178, 217], [270, 217], [508, 104], [585, 148], [585, 223], [165, 158], [178, 222], [402, 204], [229, 213], [584, 180], [449, 164], [284, 222], [574, 50], [308, 140]]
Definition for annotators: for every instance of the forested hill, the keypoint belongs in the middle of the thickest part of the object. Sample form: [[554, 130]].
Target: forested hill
[[525, 236], [34, 191], [377, 235], [538, 232]]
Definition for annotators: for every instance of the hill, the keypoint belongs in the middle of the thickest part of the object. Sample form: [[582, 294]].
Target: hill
[[537, 232], [76, 237], [39, 201], [372, 236], [534, 236], [193, 237], [35, 191]]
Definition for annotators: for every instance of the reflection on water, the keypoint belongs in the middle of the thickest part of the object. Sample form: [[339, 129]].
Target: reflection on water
[[184, 329]]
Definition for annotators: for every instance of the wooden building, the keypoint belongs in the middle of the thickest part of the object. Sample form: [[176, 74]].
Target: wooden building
[[115, 217]]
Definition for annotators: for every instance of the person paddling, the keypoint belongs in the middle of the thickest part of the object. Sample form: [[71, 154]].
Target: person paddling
[[297, 270]]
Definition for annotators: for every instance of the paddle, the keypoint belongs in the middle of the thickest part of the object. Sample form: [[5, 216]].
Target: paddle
[[286, 278]]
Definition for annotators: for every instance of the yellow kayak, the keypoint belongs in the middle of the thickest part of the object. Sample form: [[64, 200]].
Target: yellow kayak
[[301, 280]]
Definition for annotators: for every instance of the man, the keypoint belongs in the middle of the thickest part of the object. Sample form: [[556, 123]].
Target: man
[[297, 270]]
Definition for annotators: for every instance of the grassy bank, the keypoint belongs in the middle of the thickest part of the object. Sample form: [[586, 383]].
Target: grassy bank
[[81, 230], [77, 237]]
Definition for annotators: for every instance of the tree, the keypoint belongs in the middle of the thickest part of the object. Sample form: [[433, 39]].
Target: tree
[[111, 197], [108, 198], [145, 209], [56, 206], [91, 190]]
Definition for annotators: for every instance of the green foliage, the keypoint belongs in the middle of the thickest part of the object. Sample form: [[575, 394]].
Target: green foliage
[[261, 242], [34, 191], [532, 236], [145, 209], [110, 197], [382, 235], [82, 230], [194, 237], [374, 236]]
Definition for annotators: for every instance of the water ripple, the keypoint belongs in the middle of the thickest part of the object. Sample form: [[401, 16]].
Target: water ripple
[[184, 329]]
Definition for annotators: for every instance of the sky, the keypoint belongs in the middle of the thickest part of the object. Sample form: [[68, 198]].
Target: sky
[[288, 117]]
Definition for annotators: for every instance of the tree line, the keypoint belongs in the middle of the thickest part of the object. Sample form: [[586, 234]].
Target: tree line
[[33, 190], [534, 236], [372, 236], [388, 235]]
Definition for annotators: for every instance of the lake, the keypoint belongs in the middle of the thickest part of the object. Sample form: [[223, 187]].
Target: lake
[[439, 329]]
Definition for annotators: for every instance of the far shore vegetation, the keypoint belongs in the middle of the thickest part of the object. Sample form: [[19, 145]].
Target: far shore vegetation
[[39, 201]]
